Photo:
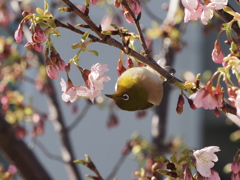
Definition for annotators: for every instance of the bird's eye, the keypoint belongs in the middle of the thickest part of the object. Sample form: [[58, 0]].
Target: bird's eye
[[125, 97]]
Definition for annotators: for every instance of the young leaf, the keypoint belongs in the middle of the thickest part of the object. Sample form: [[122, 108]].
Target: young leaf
[[46, 6]]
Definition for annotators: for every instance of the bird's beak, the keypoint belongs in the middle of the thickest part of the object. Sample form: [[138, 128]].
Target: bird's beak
[[109, 95]]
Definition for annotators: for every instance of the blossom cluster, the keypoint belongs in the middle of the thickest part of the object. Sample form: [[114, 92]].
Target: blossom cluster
[[94, 80], [194, 10]]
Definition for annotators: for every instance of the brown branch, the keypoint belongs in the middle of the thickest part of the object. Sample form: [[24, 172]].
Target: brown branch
[[116, 167], [80, 117], [20, 155], [46, 152]]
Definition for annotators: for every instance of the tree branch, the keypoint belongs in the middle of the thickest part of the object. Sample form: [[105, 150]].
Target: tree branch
[[116, 167], [23, 158], [80, 117]]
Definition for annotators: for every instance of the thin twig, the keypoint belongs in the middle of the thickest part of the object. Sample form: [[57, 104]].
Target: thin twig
[[46, 152], [80, 117], [139, 30], [116, 167]]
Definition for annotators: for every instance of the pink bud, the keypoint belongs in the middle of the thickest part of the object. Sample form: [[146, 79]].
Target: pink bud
[[37, 46], [28, 46], [192, 105], [36, 118], [128, 17], [217, 53], [61, 65], [120, 68], [235, 176], [12, 169], [180, 100], [19, 34], [52, 71], [135, 6], [38, 130], [130, 63], [67, 67], [235, 165]]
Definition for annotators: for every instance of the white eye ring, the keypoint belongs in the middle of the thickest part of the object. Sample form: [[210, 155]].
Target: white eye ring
[[125, 97]]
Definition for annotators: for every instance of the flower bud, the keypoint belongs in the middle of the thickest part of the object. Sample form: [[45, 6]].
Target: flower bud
[[94, 2], [128, 17], [120, 68], [67, 67], [28, 46], [192, 105], [19, 34], [180, 100], [179, 110], [61, 65], [25, 13], [52, 71], [38, 47], [235, 165], [130, 63]]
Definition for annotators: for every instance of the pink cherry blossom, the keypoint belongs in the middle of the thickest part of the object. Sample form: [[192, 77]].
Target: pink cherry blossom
[[190, 4], [204, 160], [52, 71], [19, 34], [99, 69], [217, 56], [207, 98], [194, 14], [69, 93], [28, 45], [207, 13], [219, 4]]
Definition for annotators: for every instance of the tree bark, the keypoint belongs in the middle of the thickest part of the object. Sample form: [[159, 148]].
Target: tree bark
[[21, 156]]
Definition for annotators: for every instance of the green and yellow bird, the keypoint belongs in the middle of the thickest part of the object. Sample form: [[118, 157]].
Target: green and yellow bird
[[138, 88]]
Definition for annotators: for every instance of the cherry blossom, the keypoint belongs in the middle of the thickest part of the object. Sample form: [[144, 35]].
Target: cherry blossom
[[190, 4], [194, 10], [69, 93], [12, 169], [205, 158], [207, 98]]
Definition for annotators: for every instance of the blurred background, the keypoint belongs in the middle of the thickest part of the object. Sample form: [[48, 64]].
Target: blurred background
[[197, 128]]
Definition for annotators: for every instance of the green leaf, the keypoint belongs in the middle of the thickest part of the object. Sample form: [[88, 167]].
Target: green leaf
[[93, 52], [228, 10], [46, 6], [173, 157], [76, 45], [51, 23], [85, 36], [40, 11]]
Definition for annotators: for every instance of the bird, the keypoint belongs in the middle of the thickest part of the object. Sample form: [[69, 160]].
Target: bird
[[138, 88]]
